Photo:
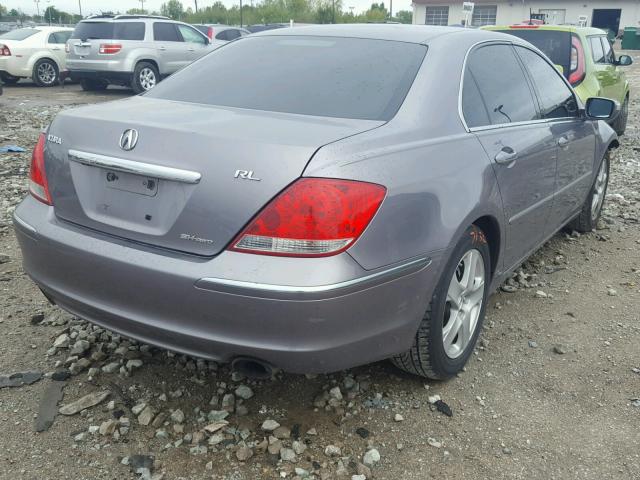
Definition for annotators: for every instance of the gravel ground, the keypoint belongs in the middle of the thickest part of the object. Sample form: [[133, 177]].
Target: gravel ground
[[552, 391]]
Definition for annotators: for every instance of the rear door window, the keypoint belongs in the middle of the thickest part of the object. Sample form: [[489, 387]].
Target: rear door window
[[323, 76], [59, 37], [555, 97], [502, 85], [166, 32], [597, 52], [554, 44], [222, 35], [232, 34]]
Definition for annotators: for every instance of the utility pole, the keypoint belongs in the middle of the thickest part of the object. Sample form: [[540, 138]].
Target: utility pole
[[80, 7], [37, 7], [390, 9], [196, 1], [142, 5], [240, 13], [333, 12]]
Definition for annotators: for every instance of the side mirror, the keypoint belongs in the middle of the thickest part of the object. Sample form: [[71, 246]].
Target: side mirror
[[624, 60], [598, 108]]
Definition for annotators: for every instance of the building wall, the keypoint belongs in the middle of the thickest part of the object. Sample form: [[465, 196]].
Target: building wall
[[516, 11]]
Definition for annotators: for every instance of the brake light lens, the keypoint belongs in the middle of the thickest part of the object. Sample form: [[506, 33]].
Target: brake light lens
[[576, 67], [313, 217], [38, 185], [4, 51], [109, 48], [210, 33]]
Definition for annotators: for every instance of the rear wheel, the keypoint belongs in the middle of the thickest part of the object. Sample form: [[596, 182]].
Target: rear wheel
[[89, 85], [45, 73], [145, 77], [453, 320], [592, 207], [620, 124]]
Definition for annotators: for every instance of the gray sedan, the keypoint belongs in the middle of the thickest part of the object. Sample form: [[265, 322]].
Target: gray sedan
[[357, 201]]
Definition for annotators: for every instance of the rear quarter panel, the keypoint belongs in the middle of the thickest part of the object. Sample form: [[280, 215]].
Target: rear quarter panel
[[438, 177]]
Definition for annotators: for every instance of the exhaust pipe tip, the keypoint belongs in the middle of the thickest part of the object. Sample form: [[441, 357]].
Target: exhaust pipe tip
[[252, 368]]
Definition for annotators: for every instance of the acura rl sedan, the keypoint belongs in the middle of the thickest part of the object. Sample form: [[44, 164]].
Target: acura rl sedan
[[356, 201]]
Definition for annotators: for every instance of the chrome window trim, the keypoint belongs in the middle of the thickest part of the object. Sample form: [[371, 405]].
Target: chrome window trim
[[512, 124], [245, 288], [137, 168]]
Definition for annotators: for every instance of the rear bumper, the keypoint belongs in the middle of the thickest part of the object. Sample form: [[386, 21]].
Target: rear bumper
[[119, 78], [301, 315]]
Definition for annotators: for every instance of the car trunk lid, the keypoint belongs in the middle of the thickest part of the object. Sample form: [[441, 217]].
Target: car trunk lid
[[177, 175]]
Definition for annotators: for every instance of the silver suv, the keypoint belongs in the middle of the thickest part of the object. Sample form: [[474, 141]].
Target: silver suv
[[131, 50]]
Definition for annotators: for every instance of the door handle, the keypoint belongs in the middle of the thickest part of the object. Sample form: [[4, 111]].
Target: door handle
[[563, 141], [192, 49], [55, 48], [162, 48], [506, 156]]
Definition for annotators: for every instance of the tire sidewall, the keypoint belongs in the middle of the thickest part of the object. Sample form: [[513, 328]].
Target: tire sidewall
[[36, 78], [136, 85], [473, 238], [594, 222]]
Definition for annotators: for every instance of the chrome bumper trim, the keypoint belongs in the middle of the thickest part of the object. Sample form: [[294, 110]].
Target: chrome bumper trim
[[247, 288], [138, 168]]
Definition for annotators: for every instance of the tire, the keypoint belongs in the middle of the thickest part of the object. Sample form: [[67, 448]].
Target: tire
[[145, 77], [592, 209], [10, 80], [45, 73], [93, 85], [620, 123], [429, 356]]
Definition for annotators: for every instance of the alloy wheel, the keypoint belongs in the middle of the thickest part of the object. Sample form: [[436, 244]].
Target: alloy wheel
[[464, 303], [147, 78], [46, 73], [599, 190]]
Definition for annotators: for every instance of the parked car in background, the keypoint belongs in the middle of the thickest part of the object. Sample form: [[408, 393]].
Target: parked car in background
[[357, 200], [36, 53], [221, 34], [586, 58], [266, 26], [131, 50]]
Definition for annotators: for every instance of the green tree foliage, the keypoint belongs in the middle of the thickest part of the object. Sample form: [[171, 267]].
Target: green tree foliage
[[404, 16], [173, 9]]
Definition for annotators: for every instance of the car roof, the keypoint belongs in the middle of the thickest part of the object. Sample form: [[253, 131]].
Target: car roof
[[396, 32], [44, 28], [556, 28]]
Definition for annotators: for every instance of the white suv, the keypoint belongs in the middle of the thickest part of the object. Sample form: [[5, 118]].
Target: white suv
[[131, 50], [36, 52]]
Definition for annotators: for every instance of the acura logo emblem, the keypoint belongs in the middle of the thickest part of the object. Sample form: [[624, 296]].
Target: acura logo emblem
[[128, 139]]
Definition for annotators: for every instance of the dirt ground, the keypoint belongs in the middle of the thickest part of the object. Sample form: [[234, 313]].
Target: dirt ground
[[551, 392]]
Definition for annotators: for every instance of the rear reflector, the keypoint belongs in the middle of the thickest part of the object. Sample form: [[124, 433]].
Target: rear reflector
[[313, 217], [109, 48], [38, 185], [4, 51]]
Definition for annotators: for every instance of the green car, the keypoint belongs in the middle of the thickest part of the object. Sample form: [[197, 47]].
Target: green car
[[586, 58]]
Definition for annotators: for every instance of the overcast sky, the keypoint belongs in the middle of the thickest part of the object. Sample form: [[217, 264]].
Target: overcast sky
[[96, 6]]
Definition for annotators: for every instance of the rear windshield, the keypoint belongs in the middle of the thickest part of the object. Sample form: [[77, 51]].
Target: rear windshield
[[324, 76], [109, 30], [19, 34], [555, 45]]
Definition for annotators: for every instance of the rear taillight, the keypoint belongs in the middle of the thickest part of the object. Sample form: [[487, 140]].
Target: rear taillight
[[576, 67], [67, 48], [4, 51], [109, 48], [38, 185], [210, 33], [313, 217]]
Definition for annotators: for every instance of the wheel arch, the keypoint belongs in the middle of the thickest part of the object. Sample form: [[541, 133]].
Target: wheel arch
[[148, 60], [491, 228], [36, 59]]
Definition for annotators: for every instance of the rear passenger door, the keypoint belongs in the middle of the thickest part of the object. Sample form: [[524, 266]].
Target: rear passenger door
[[499, 107], [604, 67], [574, 136], [172, 50]]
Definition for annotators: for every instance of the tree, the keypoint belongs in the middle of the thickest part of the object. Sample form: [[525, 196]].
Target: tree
[[404, 16], [14, 13], [136, 11], [3, 10], [173, 9]]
